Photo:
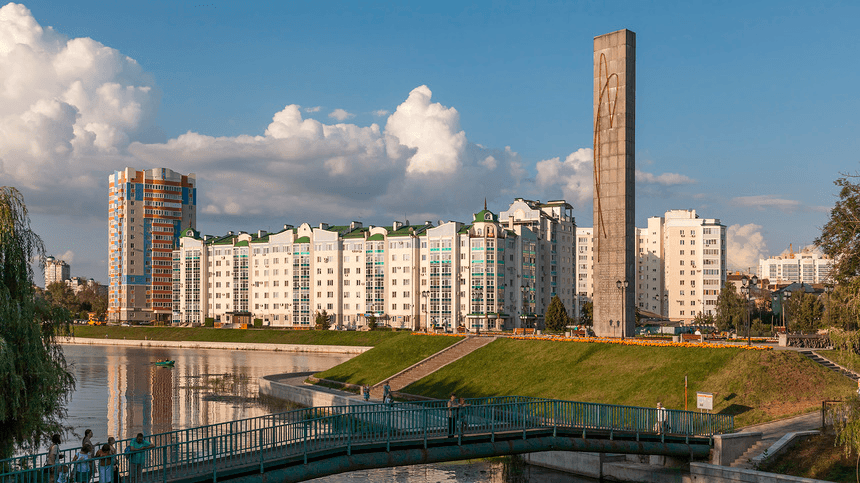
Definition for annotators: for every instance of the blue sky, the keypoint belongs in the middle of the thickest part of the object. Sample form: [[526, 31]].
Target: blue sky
[[745, 112]]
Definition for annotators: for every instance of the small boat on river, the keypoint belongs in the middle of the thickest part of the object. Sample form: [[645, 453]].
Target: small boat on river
[[164, 363]]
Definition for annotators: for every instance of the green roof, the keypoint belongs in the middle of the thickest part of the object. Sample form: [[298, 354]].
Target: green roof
[[377, 237], [485, 215], [357, 233], [190, 232], [262, 239], [242, 243], [303, 239], [224, 240]]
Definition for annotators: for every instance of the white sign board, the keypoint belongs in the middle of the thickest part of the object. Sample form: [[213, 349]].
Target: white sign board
[[705, 400]]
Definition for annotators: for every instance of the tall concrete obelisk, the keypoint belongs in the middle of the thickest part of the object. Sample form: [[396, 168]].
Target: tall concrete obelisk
[[614, 178]]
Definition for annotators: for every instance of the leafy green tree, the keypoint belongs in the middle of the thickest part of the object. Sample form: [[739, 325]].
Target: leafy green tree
[[803, 312], [703, 319], [371, 322], [586, 313], [840, 237], [556, 315], [61, 295], [731, 309], [89, 300], [321, 320], [34, 377]]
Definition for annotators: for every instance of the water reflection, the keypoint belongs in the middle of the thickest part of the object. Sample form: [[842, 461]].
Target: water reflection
[[120, 392]]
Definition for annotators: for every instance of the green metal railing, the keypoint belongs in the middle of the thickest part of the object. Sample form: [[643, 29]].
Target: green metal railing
[[208, 450]]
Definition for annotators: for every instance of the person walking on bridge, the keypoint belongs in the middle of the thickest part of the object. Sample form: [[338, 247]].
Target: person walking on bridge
[[662, 419], [452, 415]]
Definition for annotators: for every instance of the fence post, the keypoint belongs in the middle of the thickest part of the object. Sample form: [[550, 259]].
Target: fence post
[[349, 431]]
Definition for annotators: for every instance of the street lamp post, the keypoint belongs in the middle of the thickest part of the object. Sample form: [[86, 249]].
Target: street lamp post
[[424, 294], [622, 286], [787, 295], [747, 290]]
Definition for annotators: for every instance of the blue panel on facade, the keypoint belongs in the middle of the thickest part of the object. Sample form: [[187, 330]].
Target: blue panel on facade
[[133, 280], [138, 192], [184, 195], [194, 199]]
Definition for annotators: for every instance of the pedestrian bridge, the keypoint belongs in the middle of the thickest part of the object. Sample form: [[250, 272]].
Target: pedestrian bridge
[[310, 443]]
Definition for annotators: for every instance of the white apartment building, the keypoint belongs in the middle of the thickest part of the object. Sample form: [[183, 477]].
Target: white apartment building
[[495, 273], [147, 210], [807, 266], [694, 257], [56, 271], [681, 265]]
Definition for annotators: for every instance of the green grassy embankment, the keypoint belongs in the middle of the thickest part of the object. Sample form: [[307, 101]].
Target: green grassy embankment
[[254, 336], [846, 359], [387, 358], [755, 386]]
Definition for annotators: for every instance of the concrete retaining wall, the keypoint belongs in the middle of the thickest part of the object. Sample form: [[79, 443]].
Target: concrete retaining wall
[[304, 396], [613, 467], [781, 446], [729, 447], [237, 346], [705, 473]]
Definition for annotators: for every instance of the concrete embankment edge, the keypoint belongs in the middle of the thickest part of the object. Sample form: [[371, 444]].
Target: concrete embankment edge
[[304, 396], [239, 346], [706, 473]]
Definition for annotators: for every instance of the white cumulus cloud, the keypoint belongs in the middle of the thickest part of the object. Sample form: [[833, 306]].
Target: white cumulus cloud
[[340, 115], [746, 246], [68, 256], [575, 175], [313, 109], [65, 103], [432, 129], [381, 113]]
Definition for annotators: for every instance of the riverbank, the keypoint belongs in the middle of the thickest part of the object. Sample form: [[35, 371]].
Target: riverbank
[[238, 346], [249, 336]]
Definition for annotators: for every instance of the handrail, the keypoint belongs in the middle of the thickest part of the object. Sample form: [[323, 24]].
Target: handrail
[[298, 433]]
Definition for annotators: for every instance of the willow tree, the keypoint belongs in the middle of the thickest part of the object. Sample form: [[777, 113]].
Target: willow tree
[[35, 382]]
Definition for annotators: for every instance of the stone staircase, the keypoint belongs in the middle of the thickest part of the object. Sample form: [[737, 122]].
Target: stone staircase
[[431, 364], [744, 461], [830, 365]]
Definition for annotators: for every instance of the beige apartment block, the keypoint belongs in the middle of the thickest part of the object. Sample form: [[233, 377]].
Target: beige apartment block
[[495, 273], [680, 265], [56, 271], [614, 183]]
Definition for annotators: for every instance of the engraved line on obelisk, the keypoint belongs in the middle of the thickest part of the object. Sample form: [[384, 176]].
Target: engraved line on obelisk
[[601, 226]]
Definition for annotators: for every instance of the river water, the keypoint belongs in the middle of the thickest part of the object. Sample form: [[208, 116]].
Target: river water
[[120, 393]]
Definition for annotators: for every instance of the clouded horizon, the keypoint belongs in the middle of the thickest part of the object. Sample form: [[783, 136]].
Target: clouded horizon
[[74, 110]]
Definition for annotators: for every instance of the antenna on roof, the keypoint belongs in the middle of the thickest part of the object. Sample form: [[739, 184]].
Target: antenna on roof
[[485, 203]]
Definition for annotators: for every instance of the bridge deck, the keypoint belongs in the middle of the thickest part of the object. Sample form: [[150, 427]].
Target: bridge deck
[[316, 441]]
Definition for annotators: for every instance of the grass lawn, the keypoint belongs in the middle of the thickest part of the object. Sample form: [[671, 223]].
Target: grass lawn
[[754, 386], [817, 458], [259, 336], [388, 358]]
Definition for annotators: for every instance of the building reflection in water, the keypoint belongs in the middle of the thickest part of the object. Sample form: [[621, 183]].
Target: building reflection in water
[[120, 392]]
